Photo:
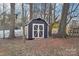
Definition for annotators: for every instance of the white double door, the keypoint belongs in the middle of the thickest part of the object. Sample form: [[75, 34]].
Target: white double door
[[38, 31]]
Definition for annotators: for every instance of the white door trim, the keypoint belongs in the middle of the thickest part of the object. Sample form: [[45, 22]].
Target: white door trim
[[37, 30]]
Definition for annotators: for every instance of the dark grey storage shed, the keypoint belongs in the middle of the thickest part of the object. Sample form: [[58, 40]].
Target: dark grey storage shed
[[37, 28]]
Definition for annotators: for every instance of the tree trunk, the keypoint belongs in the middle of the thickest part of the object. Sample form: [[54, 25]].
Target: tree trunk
[[23, 23], [62, 25], [12, 21], [31, 14], [50, 20], [3, 22], [54, 6], [45, 11]]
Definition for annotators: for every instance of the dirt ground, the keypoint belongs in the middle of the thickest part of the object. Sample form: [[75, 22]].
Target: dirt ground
[[40, 47]]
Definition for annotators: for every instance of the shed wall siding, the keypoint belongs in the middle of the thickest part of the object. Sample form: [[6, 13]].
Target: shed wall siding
[[37, 22]]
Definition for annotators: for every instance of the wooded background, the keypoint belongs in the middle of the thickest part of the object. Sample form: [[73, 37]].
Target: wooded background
[[16, 15]]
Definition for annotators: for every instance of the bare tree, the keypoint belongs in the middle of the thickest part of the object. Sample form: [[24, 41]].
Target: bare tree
[[23, 22], [12, 21], [51, 17], [31, 13], [45, 11], [63, 21], [3, 21]]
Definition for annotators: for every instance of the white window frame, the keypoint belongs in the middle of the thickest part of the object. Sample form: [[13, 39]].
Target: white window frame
[[37, 30]]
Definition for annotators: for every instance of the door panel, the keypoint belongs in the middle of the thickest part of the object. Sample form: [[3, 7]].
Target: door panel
[[40, 27], [35, 34], [38, 31], [35, 27]]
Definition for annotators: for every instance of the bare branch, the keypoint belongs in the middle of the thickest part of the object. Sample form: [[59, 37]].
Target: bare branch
[[72, 17], [56, 17], [4, 12], [73, 13], [69, 20], [74, 9]]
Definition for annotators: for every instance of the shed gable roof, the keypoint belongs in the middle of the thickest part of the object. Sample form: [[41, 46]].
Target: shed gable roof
[[37, 19]]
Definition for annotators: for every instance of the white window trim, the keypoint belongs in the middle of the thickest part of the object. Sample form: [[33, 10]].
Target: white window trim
[[38, 31]]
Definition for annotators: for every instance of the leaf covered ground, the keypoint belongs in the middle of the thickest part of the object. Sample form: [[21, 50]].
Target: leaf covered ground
[[40, 47]]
